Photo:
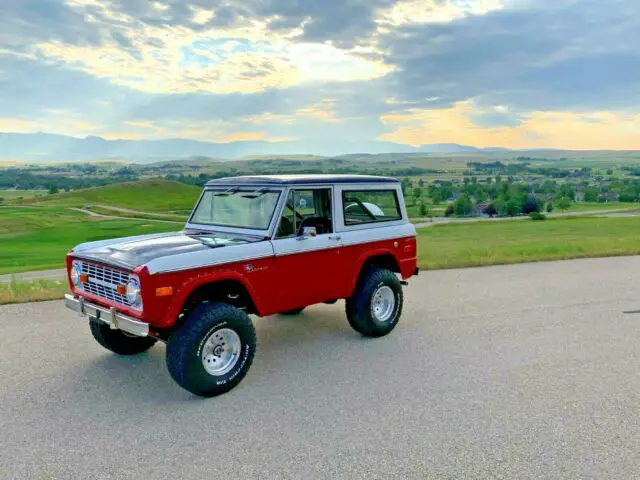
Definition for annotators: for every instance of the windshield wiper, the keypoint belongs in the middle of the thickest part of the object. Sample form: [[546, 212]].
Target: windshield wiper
[[256, 193], [226, 193]]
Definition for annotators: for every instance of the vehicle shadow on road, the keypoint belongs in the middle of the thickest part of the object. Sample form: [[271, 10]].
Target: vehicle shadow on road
[[287, 345]]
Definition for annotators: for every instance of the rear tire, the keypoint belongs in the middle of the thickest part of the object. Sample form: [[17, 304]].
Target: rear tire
[[375, 307], [213, 350], [119, 342]]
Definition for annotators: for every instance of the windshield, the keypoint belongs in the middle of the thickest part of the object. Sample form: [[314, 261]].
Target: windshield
[[238, 207]]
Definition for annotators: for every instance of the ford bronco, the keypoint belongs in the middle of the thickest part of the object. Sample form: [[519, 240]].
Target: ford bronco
[[253, 245]]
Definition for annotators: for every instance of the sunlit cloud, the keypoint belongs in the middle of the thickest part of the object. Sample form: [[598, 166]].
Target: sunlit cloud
[[553, 129], [407, 12]]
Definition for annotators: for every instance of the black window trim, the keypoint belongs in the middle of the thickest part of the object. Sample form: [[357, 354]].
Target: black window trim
[[377, 190], [297, 188]]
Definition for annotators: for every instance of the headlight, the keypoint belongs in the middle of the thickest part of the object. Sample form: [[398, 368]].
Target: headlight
[[76, 271], [134, 296]]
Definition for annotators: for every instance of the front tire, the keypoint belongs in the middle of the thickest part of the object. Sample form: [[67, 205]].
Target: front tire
[[119, 342], [376, 305], [213, 350]]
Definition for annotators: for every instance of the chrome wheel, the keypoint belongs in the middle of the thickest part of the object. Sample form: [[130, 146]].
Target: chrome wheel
[[221, 351], [383, 303]]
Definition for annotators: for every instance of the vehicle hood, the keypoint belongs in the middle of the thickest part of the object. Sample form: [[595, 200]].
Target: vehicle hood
[[132, 252]]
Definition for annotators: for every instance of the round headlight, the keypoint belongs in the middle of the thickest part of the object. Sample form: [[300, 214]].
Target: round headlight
[[76, 270], [133, 292]]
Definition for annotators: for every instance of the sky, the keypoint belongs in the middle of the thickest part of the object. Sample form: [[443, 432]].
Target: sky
[[508, 73]]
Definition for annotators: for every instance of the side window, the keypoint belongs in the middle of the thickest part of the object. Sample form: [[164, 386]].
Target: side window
[[370, 206], [306, 208]]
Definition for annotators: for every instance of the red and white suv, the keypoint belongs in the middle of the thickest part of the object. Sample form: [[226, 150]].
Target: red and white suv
[[258, 245]]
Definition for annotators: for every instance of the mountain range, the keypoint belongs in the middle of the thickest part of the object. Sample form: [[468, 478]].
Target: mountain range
[[48, 148]]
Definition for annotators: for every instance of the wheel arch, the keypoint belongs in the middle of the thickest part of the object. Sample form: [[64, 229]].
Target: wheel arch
[[380, 259], [232, 289]]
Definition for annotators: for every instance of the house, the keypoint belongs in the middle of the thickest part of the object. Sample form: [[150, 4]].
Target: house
[[454, 197], [609, 197], [478, 209]]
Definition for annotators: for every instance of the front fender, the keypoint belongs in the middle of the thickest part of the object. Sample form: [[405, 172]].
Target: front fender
[[194, 281]]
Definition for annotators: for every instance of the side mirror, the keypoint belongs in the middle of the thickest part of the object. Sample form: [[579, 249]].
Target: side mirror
[[307, 232]]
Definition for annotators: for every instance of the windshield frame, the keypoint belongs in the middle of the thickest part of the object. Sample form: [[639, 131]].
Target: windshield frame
[[191, 225]]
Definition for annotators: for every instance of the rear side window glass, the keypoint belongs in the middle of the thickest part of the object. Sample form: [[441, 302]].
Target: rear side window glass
[[370, 206]]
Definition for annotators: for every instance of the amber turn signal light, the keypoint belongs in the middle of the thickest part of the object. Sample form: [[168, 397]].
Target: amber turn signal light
[[164, 291], [121, 289], [84, 278]]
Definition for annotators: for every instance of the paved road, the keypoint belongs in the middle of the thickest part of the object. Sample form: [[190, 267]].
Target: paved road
[[524, 371]]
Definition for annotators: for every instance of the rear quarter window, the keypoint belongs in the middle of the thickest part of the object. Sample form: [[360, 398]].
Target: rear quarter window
[[370, 206]]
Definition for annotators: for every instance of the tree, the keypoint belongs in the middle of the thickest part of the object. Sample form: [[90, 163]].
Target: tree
[[463, 206], [610, 171], [549, 207], [530, 205], [421, 183], [563, 203], [489, 180], [448, 211], [53, 189], [417, 193], [591, 194], [512, 208], [490, 210], [424, 210], [1, 200]]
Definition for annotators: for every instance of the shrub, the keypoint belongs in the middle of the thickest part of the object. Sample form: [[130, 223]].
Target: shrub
[[537, 216]]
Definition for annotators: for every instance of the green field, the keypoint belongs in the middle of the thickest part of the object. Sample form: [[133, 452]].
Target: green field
[[505, 242], [147, 195], [38, 238], [595, 207], [10, 195]]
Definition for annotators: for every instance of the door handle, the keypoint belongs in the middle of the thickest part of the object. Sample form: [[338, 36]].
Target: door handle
[[335, 237]]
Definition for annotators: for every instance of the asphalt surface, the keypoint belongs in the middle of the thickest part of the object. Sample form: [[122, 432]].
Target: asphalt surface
[[512, 372]]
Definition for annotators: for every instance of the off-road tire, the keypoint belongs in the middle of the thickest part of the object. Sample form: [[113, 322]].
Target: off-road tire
[[358, 306], [118, 341], [295, 311], [185, 347]]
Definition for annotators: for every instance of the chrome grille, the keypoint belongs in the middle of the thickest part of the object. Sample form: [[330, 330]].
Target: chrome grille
[[103, 282]]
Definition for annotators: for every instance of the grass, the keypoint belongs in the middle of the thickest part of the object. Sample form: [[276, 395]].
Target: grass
[[504, 242], [596, 206], [10, 195], [39, 238], [147, 195], [32, 291]]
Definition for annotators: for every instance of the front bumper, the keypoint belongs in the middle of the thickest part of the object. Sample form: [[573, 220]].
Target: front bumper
[[109, 316]]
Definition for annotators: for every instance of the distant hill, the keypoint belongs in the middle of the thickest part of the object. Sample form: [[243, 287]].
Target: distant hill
[[147, 195], [47, 148]]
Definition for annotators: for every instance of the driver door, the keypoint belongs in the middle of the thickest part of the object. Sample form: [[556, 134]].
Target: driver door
[[306, 263]]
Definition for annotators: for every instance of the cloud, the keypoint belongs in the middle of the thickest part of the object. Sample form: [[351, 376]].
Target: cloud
[[538, 129], [486, 72]]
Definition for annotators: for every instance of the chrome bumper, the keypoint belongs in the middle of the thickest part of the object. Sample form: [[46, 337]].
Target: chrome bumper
[[109, 316]]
